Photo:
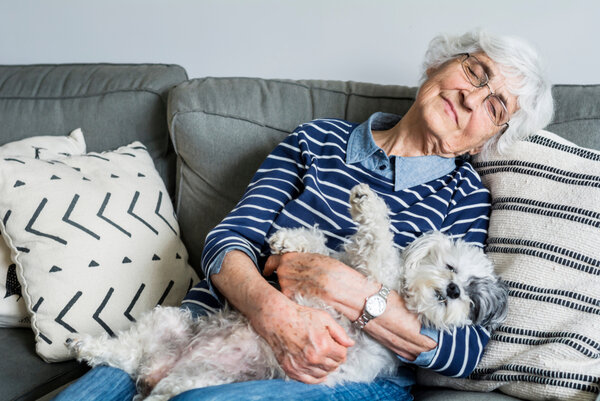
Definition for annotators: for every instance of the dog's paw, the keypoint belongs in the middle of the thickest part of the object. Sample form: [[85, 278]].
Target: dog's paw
[[360, 193], [365, 204], [281, 242], [298, 240], [74, 345]]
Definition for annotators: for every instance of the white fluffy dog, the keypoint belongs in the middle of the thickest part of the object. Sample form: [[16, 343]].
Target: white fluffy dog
[[448, 283]]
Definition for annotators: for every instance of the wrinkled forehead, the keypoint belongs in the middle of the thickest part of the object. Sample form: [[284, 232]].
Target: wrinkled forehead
[[498, 81]]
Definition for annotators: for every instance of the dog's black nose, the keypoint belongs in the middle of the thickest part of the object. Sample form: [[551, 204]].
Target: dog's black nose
[[452, 291]]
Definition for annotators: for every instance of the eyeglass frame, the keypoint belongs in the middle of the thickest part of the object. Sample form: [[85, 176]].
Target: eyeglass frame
[[486, 83]]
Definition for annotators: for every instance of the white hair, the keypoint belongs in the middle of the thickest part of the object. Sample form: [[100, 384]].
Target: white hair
[[525, 78]]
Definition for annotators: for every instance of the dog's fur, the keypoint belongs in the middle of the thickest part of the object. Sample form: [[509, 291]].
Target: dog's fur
[[447, 283]]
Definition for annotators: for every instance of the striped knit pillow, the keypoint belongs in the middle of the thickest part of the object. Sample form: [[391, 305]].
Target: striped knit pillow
[[544, 238]]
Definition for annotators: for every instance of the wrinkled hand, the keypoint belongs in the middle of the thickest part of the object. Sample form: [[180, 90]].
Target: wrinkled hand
[[307, 342], [345, 289], [315, 275]]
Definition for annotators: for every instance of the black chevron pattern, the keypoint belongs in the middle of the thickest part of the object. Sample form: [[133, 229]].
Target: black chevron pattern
[[127, 312], [65, 310], [10, 159], [157, 211], [120, 210], [165, 293], [66, 219], [131, 212], [96, 315], [110, 221], [6, 217], [29, 228]]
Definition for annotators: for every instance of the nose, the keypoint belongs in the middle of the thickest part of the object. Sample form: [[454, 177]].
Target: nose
[[452, 291], [475, 97]]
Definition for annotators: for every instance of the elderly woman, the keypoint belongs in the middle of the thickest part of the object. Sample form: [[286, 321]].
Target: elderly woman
[[478, 93]]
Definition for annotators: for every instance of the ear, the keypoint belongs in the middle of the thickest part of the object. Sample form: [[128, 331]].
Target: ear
[[419, 249], [430, 71], [489, 302]]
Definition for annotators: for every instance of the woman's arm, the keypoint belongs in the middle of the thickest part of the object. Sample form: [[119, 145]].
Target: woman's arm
[[345, 289], [307, 342]]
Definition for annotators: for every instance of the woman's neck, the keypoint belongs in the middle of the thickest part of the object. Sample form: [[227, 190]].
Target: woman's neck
[[404, 139]]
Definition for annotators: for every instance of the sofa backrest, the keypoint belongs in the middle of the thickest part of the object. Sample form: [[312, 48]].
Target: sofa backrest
[[223, 128], [577, 114], [114, 104]]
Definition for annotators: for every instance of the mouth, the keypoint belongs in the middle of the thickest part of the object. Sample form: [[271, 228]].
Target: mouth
[[450, 110]]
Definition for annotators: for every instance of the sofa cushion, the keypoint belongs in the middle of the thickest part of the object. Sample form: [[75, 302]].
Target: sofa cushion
[[95, 242], [114, 104], [13, 312], [223, 128], [544, 240], [577, 114], [24, 376]]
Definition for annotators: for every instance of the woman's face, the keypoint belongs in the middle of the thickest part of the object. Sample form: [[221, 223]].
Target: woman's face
[[452, 111]]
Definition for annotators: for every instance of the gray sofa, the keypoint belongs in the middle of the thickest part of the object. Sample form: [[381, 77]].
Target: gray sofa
[[207, 137]]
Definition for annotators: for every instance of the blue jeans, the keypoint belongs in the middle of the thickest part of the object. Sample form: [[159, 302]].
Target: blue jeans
[[104, 383]]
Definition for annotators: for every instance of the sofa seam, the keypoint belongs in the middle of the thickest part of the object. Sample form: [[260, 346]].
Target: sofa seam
[[145, 90], [231, 116], [575, 119], [308, 87]]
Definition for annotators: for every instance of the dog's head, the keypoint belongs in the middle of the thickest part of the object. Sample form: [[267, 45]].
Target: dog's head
[[451, 283]]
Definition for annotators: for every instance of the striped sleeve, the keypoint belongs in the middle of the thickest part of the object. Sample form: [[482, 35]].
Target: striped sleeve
[[277, 181], [468, 218], [459, 352]]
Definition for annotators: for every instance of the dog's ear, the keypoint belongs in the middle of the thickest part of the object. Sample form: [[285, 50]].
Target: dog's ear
[[489, 301], [419, 249]]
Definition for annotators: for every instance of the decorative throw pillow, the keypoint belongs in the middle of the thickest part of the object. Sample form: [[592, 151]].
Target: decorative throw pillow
[[544, 238], [95, 241], [13, 312]]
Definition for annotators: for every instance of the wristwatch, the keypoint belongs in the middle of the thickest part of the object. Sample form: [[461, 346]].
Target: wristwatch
[[374, 306]]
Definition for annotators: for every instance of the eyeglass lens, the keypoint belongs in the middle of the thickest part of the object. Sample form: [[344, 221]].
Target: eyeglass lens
[[477, 76]]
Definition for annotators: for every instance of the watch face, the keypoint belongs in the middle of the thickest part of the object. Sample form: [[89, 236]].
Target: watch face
[[375, 305]]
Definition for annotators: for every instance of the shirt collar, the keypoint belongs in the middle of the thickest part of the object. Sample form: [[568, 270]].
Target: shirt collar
[[362, 149], [361, 144]]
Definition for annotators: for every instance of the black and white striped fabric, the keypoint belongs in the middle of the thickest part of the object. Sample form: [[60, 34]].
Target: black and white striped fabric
[[544, 238], [95, 242]]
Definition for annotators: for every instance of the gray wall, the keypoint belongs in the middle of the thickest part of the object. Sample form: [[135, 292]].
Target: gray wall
[[379, 41]]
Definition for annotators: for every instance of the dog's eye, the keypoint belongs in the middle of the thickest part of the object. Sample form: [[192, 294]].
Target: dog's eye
[[440, 296], [451, 268]]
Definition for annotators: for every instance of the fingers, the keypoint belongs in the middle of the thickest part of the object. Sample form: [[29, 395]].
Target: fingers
[[306, 372], [338, 333], [271, 265]]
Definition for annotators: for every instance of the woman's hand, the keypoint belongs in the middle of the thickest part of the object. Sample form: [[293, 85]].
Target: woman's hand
[[307, 342], [315, 275], [345, 289]]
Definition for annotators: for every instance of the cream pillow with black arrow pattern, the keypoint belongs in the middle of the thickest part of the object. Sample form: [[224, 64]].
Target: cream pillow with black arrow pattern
[[95, 241], [13, 312]]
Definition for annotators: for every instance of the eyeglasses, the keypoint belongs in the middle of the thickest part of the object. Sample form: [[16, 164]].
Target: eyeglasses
[[476, 75]]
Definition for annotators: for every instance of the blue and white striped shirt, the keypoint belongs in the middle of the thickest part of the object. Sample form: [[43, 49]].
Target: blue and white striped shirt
[[306, 180]]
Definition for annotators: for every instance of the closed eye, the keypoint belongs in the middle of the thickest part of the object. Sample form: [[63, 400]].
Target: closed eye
[[451, 268]]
